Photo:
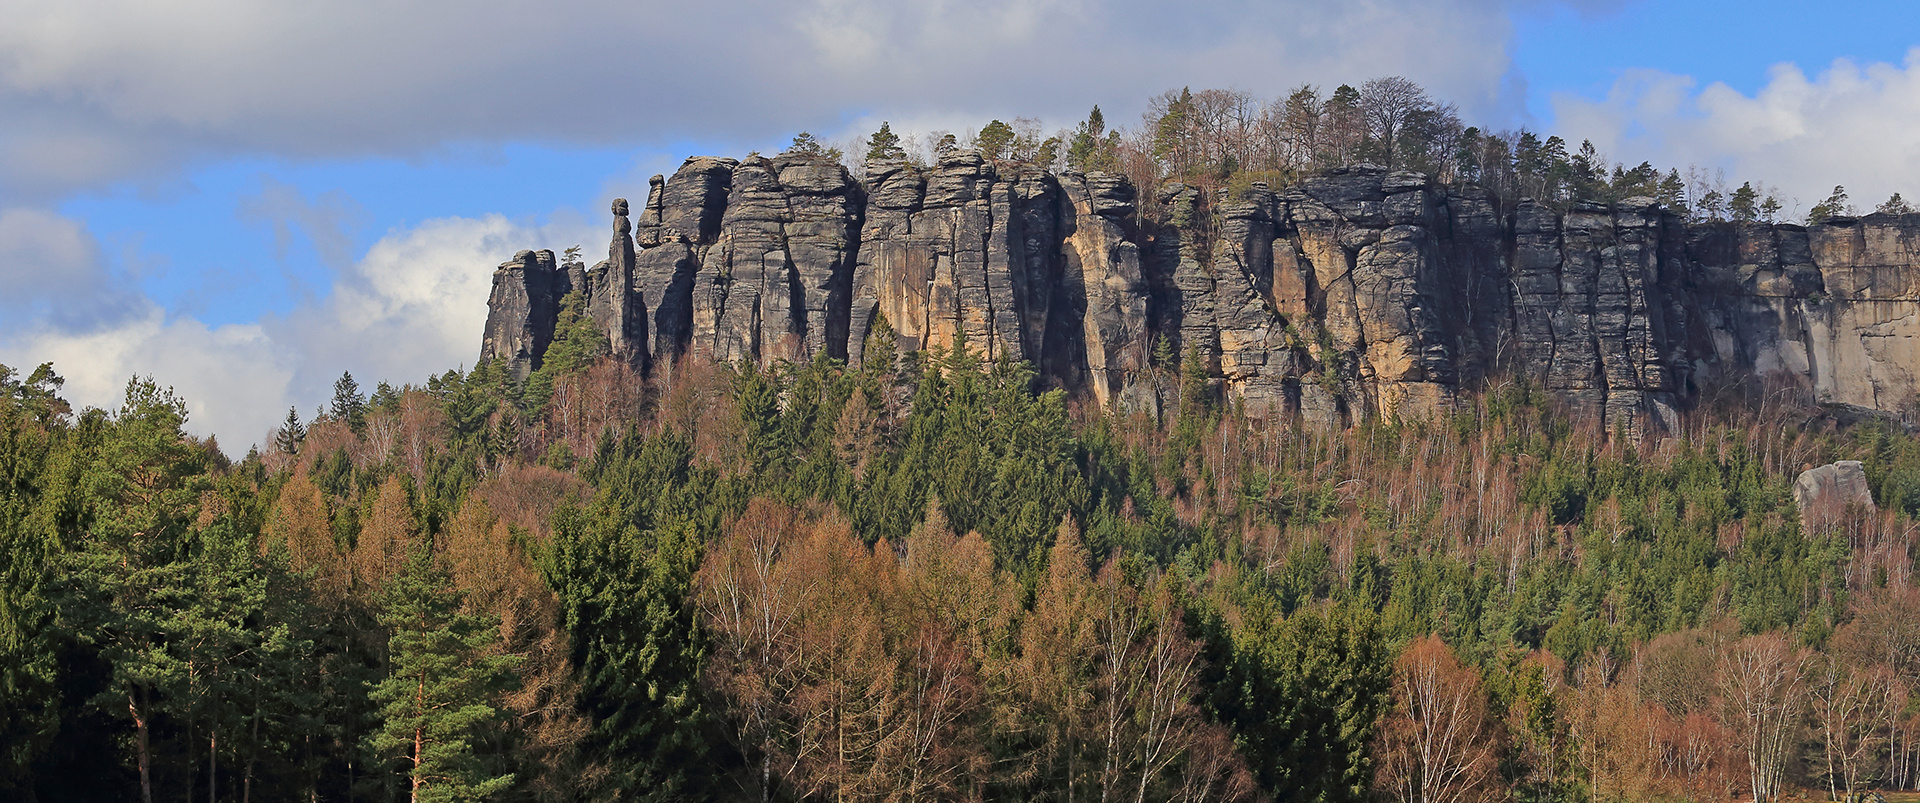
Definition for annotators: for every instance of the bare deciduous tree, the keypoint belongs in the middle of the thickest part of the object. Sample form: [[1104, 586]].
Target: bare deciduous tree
[[1437, 745], [1762, 690]]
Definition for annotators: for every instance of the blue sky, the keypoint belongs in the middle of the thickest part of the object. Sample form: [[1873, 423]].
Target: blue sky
[[247, 198]]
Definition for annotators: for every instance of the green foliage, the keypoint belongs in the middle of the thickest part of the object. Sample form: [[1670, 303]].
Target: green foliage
[[884, 145], [1834, 206], [436, 704], [291, 433], [1303, 694], [623, 570], [576, 344], [1090, 148], [995, 140], [349, 405], [1744, 205]]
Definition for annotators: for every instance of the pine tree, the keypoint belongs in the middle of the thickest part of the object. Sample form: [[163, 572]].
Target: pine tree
[[1895, 205], [1673, 193], [349, 405], [1086, 152], [995, 140], [288, 438], [805, 144], [385, 399], [126, 585], [438, 701], [1744, 205], [577, 342], [1834, 206], [884, 145]]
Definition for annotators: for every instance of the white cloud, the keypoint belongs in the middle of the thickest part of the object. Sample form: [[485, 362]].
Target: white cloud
[[98, 91], [233, 377], [413, 306], [1850, 124]]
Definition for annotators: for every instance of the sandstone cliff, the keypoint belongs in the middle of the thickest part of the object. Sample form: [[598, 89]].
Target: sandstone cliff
[[1358, 292]]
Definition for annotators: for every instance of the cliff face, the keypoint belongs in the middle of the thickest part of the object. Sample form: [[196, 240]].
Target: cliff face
[[1358, 292]]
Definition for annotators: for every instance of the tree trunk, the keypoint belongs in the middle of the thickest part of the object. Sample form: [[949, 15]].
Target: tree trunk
[[253, 754], [140, 744], [213, 763], [419, 739]]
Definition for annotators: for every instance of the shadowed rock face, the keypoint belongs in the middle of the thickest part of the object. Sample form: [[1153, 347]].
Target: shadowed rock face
[[1358, 292], [522, 310]]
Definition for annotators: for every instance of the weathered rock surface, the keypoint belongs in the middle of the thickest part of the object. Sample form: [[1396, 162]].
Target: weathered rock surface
[[523, 308], [1358, 292], [1825, 493]]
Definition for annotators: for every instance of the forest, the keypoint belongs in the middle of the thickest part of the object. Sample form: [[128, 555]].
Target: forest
[[1226, 139], [934, 578], [930, 580]]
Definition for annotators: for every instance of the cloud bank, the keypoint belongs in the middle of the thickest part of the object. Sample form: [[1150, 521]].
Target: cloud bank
[[1851, 124], [99, 91], [413, 306]]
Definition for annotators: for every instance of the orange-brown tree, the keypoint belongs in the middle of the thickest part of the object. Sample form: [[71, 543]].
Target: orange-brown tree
[[1438, 743]]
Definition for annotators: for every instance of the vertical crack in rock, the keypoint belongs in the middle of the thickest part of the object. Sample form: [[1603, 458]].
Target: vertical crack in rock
[[1358, 291]]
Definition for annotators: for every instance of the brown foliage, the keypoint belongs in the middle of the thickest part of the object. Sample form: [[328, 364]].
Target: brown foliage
[[874, 673], [490, 564], [386, 537], [299, 522], [526, 495], [1437, 744]]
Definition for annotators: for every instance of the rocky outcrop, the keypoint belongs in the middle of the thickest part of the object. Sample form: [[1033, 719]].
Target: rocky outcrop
[[1359, 292], [523, 309], [1827, 493]]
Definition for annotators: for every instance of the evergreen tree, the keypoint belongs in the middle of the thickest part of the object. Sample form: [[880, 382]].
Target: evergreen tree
[[623, 571], [1744, 205], [127, 588], [1834, 206], [1770, 209], [1673, 193], [31, 687], [437, 703], [995, 141], [385, 399], [291, 433], [1895, 205], [349, 405], [577, 342], [884, 145], [1085, 152], [1304, 695], [804, 144]]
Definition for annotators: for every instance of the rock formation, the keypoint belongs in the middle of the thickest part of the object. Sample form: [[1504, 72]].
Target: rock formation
[[1826, 493], [1358, 292]]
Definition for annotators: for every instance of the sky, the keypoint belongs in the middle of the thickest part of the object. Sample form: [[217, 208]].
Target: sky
[[246, 198]]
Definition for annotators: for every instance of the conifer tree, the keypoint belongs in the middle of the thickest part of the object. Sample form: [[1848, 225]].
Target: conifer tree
[[995, 140], [287, 439], [1834, 206], [1744, 204], [805, 144], [438, 701], [349, 404], [884, 145], [1084, 152]]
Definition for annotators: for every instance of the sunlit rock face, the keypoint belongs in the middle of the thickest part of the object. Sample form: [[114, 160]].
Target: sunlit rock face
[[1358, 292]]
